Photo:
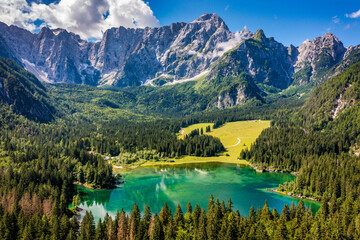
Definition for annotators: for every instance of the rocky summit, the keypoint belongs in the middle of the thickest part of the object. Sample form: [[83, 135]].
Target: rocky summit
[[124, 56], [131, 57], [203, 49]]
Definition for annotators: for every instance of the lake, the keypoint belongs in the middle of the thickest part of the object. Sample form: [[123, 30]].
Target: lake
[[194, 183]]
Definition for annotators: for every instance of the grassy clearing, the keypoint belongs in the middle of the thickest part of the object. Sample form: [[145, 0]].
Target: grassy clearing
[[235, 136]]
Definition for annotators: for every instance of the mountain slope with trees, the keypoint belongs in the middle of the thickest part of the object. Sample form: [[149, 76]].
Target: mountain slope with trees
[[23, 91]]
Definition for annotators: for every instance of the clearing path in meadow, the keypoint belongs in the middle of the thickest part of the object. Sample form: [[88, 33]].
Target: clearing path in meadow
[[234, 144], [239, 140]]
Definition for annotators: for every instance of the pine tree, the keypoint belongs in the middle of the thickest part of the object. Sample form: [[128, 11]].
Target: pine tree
[[213, 224], [155, 229], [196, 215], [71, 235], [178, 217], [292, 211], [208, 129], [189, 207], [275, 214], [147, 214], [74, 225], [165, 215], [76, 200], [201, 231], [122, 231], [280, 231], [252, 215], [99, 232], [285, 215], [222, 209], [231, 231], [64, 226], [261, 232], [87, 229], [143, 232], [111, 230], [229, 205], [170, 232], [265, 213], [55, 226], [211, 202], [134, 221], [10, 227]]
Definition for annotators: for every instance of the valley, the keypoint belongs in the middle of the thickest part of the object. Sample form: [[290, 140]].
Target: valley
[[114, 138]]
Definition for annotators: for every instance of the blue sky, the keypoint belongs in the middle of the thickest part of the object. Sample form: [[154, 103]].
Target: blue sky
[[289, 22]]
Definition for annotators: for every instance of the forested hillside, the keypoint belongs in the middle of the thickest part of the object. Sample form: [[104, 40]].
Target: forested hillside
[[320, 143], [24, 92]]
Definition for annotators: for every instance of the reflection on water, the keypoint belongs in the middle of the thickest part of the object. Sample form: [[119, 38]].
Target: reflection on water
[[94, 197], [194, 183]]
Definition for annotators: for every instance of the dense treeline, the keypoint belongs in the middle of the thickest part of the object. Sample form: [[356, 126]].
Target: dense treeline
[[86, 168], [219, 221], [118, 137], [198, 144], [286, 147]]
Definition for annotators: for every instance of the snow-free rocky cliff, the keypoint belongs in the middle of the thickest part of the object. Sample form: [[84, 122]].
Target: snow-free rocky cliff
[[124, 56], [179, 52]]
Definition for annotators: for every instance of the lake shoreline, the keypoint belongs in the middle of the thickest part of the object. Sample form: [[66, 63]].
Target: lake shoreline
[[181, 162], [176, 163], [290, 194], [257, 169], [84, 185]]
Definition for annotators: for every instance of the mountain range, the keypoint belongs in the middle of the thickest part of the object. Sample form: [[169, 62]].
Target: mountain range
[[246, 65]]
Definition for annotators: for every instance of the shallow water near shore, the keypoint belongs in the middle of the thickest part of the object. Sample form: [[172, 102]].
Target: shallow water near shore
[[190, 183]]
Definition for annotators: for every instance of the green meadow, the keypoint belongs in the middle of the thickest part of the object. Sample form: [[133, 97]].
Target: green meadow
[[235, 136]]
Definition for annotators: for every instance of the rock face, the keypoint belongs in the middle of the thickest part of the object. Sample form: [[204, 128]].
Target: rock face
[[236, 95], [351, 56], [204, 48], [316, 57], [180, 50], [124, 57], [266, 60]]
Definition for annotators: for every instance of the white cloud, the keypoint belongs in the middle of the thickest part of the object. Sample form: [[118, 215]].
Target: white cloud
[[88, 18], [354, 14], [347, 27], [227, 7], [223, 47], [335, 19]]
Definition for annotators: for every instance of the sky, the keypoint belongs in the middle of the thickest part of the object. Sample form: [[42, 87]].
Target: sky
[[289, 22]]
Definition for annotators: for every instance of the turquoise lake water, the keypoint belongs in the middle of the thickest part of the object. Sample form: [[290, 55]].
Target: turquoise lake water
[[194, 183]]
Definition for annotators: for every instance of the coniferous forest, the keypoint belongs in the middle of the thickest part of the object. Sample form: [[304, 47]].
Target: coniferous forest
[[57, 137]]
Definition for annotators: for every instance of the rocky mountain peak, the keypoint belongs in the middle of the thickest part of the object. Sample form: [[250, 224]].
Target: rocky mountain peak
[[259, 35], [209, 17], [331, 36], [246, 32], [328, 40], [318, 55], [46, 32], [181, 51]]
